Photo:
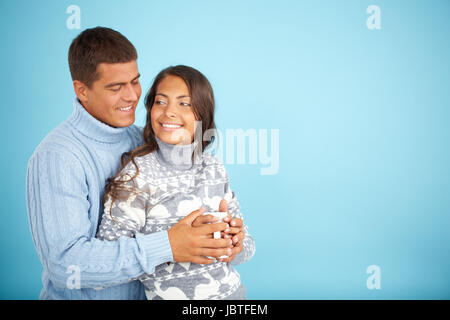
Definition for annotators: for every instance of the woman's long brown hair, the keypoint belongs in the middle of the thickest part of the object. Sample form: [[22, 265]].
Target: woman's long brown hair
[[202, 101]]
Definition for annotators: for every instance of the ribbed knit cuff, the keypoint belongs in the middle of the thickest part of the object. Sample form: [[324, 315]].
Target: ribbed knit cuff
[[157, 249]]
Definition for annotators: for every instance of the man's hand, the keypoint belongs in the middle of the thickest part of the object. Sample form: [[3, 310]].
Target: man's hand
[[193, 244]]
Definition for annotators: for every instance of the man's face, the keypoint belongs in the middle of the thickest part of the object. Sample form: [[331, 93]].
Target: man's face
[[114, 96]]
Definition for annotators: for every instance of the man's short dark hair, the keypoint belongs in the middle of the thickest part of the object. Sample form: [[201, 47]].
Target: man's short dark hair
[[95, 46]]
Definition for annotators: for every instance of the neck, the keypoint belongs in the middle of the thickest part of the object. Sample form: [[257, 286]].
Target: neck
[[175, 156], [89, 126]]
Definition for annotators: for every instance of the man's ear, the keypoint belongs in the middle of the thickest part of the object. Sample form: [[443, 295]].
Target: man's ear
[[81, 91]]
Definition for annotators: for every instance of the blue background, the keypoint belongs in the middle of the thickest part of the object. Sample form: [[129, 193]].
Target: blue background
[[364, 131]]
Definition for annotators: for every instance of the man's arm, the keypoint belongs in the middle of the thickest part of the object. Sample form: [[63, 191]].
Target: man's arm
[[127, 217], [57, 203]]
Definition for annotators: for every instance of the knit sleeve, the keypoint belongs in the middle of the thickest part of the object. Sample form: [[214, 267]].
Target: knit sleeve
[[58, 211], [248, 249]]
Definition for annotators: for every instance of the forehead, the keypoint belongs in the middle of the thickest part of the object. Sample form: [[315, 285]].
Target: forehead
[[173, 85], [108, 72]]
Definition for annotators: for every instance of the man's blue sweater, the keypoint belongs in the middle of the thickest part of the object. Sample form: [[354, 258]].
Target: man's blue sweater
[[66, 178]]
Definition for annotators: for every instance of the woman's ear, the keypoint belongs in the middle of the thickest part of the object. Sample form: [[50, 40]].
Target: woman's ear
[[80, 90]]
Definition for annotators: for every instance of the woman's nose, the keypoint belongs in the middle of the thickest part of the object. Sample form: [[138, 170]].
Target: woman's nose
[[171, 110]]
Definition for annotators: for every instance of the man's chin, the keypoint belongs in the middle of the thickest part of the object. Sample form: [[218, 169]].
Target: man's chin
[[123, 123]]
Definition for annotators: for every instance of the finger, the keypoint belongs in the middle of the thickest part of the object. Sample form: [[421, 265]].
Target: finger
[[234, 252], [236, 222], [202, 260], [216, 243], [227, 259], [204, 219], [223, 206], [192, 216], [238, 238], [227, 218], [215, 252], [237, 248], [226, 235], [232, 231], [211, 228]]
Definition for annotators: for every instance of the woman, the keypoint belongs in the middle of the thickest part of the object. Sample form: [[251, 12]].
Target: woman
[[170, 176]]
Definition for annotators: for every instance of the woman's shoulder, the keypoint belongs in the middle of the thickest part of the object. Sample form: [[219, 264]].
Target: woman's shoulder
[[213, 163], [146, 164], [211, 159]]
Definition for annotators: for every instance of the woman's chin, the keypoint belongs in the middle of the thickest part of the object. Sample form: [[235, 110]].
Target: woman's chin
[[175, 138]]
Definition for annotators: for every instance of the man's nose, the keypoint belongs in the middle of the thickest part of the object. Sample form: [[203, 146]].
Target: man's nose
[[130, 94]]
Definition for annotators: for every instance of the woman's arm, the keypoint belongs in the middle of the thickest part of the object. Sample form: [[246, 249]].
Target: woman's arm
[[125, 216]]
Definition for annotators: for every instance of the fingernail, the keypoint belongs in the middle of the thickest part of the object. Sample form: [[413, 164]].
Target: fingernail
[[233, 223], [229, 252]]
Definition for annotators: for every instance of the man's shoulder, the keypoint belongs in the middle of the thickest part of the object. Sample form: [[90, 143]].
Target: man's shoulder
[[60, 142], [60, 138]]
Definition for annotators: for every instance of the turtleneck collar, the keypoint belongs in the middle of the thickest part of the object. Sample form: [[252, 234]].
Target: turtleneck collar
[[92, 128], [175, 156]]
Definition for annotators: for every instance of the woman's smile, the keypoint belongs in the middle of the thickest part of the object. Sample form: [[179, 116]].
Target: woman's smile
[[170, 126]]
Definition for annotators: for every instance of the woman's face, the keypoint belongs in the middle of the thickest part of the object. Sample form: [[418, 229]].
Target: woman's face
[[172, 116]]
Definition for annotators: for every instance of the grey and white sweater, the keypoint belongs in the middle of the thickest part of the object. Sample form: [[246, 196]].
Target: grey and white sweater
[[170, 186]]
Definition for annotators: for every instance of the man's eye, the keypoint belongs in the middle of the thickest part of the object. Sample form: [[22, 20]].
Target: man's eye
[[115, 89]]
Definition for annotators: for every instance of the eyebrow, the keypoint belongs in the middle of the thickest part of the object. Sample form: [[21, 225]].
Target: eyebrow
[[121, 83], [166, 96]]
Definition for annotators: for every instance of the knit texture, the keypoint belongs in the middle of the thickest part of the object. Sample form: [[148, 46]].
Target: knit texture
[[66, 178], [170, 185]]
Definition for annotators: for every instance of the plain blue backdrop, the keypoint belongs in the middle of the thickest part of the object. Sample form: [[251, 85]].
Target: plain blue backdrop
[[363, 118]]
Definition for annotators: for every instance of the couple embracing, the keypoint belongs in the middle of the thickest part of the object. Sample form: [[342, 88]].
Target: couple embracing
[[134, 211]]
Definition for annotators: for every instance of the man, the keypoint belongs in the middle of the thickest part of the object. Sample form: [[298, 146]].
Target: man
[[67, 174]]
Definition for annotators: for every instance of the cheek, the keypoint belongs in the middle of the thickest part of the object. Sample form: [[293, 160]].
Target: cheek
[[191, 120], [111, 100], [154, 115], [107, 104], [139, 91]]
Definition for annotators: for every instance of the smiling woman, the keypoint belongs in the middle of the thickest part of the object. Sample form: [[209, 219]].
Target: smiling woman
[[155, 181], [173, 119]]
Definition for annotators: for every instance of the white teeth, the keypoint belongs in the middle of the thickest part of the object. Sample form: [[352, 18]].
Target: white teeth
[[126, 108], [165, 125]]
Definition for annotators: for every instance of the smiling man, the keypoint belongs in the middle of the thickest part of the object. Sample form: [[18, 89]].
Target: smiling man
[[67, 174]]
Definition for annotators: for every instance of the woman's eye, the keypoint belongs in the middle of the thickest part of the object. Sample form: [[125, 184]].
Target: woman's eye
[[159, 102], [185, 104]]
